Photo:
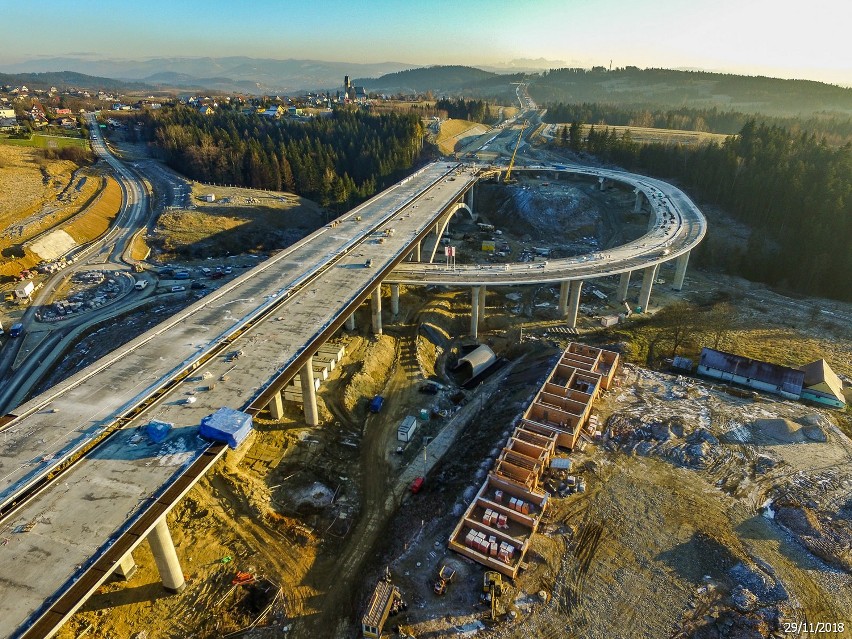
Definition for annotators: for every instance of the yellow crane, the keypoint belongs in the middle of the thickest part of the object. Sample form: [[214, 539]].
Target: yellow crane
[[514, 153]]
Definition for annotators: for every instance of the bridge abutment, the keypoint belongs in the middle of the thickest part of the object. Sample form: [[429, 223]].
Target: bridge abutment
[[165, 556], [649, 276]]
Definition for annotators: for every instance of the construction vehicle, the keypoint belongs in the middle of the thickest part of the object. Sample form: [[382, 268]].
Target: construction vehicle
[[492, 587], [445, 576], [508, 178]]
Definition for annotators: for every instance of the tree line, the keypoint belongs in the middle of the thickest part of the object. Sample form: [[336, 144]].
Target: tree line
[[794, 191], [835, 129], [336, 161]]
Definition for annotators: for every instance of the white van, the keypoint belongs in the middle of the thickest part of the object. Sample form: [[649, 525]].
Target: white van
[[141, 284]]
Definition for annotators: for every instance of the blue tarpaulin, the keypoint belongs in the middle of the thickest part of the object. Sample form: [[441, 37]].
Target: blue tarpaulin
[[226, 425], [158, 431]]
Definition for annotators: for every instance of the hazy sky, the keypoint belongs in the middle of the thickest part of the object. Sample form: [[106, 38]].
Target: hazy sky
[[772, 37]]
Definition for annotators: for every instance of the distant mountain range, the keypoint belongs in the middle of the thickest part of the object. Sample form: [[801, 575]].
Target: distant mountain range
[[231, 74], [628, 86]]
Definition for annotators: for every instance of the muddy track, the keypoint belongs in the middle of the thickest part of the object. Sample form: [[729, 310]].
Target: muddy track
[[339, 577]]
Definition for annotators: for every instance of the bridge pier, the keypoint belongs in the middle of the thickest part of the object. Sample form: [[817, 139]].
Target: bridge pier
[[602, 183], [623, 284], [680, 270], [563, 298], [276, 407], [482, 293], [165, 556], [574, 302], [395, 299], [469, 200], [474, 312], [350, 322], [309, 393], [415, 254], [126, 567], [649, 276], [637, 204], [377, 309]]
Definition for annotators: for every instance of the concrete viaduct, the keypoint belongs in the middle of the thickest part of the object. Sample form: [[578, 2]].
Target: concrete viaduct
[[81, 486]]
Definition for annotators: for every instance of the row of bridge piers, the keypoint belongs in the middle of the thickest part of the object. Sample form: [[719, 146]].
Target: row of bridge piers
[[159, 537]]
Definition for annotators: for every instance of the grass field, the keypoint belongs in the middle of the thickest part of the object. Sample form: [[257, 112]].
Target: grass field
[[39, 141], [661, 136], [454, 133], [96, 219], [87, 222]]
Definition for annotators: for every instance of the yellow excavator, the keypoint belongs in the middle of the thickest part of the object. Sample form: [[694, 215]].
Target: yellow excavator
[[508, 178], [492, 587]]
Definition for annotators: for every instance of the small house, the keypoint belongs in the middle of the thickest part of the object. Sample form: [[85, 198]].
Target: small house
[[822, 385]]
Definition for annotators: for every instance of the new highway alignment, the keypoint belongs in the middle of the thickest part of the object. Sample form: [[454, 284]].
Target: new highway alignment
[[64, 540]]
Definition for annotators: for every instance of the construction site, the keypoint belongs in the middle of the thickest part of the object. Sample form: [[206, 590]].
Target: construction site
[[519, 494]]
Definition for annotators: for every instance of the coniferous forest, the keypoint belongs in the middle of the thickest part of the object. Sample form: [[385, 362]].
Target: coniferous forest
[[337, 161], [793, 190]]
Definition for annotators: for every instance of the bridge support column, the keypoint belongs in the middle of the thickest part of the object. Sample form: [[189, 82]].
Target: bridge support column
[[395, 299], [377, 309], [602, 183], [469, 200], [126, 567], [623, 284], [276, 407], [474, 312], [350, 322], [637, 205], [563, 298], [649, 275], [574, 302], [165, 556], [414, 256], [482, 302], [680, 270], [309, 393]]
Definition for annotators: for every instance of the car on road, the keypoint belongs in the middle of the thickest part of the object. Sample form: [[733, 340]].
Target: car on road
[[369, 263], [176, 289]]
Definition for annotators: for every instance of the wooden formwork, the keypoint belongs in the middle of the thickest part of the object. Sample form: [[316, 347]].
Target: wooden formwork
[[508, 507]]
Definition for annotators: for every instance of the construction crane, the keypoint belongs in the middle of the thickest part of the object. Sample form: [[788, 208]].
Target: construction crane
[[507, 179]]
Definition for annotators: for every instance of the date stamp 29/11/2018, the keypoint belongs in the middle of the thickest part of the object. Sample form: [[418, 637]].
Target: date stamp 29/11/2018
[[818, 628]]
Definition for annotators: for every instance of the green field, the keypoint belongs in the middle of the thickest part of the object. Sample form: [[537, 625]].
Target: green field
[[46, 141]]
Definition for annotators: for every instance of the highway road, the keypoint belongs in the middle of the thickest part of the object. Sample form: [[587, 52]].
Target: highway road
[[303, 293], [134, 214], [679, 226]]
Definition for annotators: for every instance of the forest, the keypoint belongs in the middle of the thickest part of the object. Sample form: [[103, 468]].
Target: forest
[[669, 88], [793, 190], [835, 129], [337, 161], [461, 109]]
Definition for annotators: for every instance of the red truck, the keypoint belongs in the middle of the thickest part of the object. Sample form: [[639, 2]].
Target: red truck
[[416, 485]]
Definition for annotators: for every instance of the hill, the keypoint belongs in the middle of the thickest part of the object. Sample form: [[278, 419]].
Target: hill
[[699, 89], [62, 79]]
